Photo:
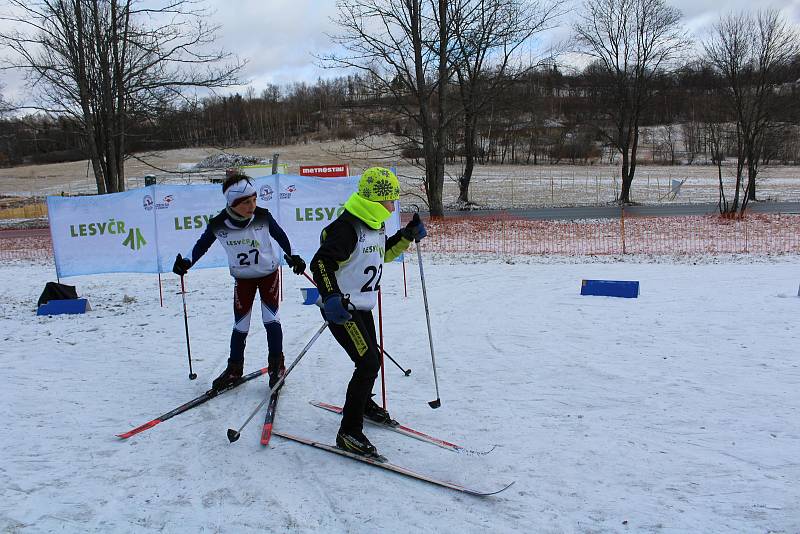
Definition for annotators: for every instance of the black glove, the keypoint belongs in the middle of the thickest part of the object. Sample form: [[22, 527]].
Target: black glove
[[297, 264], [414, 230], [181, 265]]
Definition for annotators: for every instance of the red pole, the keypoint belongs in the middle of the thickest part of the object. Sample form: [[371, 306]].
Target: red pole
[[380, 330]]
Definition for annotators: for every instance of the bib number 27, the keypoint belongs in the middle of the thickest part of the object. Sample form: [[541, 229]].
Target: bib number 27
[[244, 257]]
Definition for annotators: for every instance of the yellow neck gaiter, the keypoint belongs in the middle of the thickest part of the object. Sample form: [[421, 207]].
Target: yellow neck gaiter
[[373, 214]]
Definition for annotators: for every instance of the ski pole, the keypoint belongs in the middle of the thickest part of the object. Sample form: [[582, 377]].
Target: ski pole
[[405, 371], [438, 402], [192, 375], [233, 435]]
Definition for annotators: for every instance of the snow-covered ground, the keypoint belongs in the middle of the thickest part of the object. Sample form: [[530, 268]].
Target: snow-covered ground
[[675, 412]]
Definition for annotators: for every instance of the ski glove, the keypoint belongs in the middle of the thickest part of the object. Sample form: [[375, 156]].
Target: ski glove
[[414, 230], [181, 265], [297, 264], [334, 309]]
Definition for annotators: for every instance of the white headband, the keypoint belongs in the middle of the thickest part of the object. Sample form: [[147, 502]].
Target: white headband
[[241, 189]]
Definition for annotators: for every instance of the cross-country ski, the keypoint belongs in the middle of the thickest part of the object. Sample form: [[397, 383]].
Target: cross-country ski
[[194, 403], [406, 431], [395, 468]]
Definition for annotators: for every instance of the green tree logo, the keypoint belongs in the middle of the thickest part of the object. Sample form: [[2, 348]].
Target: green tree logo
[[135, 239]]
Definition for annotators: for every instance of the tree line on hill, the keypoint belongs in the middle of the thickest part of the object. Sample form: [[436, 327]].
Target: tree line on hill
[[453, 84], [544, 117]]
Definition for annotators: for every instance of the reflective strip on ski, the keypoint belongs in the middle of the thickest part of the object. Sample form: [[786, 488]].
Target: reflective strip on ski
[[207, 396], [407, 431], [392, 467]]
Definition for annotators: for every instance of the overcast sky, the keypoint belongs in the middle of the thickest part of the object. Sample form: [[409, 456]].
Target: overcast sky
[[280, 37]]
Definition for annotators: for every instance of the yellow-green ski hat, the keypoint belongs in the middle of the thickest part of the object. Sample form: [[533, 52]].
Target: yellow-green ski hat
[[378, 184]]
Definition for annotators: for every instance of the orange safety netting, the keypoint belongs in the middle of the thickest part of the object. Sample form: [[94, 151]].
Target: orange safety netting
[[759, 234], [686, 235]]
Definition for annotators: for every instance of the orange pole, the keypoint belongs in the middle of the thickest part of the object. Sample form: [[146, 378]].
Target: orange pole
[[622, 228]]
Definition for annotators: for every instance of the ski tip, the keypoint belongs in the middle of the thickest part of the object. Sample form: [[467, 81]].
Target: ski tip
[[233, 435], [485, 493], [266, 434], [482, 493], [142, 428], [502, 489], [473, 452]]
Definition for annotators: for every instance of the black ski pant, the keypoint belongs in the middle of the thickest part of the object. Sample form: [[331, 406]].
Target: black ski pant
[[357, 337]]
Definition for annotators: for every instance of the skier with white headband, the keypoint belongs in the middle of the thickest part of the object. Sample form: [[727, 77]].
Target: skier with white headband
[[244, 230]]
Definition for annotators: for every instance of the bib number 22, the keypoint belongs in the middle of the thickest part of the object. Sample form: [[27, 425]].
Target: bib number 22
[[374, 274]]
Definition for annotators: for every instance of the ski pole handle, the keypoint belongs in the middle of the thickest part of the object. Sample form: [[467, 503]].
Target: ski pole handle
[[290, 263]]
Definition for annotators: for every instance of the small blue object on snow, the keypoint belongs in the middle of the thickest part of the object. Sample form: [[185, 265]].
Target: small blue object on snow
[[610, 288], [310, 295], [57, 307]]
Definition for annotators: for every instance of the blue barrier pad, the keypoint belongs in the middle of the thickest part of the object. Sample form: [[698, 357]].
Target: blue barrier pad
[[57, 307], [610, 288], [310, 295]]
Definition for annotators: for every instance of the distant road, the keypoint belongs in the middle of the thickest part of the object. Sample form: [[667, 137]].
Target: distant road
[[612, 212]]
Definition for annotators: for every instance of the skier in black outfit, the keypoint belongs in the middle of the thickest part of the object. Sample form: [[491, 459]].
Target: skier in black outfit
[[347, 270], [244, 230]]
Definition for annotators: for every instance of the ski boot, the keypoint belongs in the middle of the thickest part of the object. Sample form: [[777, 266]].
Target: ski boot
[[357, 443], [231, 374], [375, 413], [275, 372]]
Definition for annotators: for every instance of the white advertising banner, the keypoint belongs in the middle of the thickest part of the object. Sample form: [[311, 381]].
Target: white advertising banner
[[102, 234], [307, 204], [181, 214], [144, 229]]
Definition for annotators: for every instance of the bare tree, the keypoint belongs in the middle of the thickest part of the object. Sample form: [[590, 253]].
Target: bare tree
[[690, 136], [112, 63], [749, 51], [716, 134], [631, 41], [5, 106], [486, 36], [402, 47]]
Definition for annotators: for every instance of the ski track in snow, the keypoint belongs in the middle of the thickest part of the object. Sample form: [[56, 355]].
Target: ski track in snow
[[674, 412]]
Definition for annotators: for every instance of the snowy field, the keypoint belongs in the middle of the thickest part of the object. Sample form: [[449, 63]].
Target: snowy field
[[678, 411], [492, 186]]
